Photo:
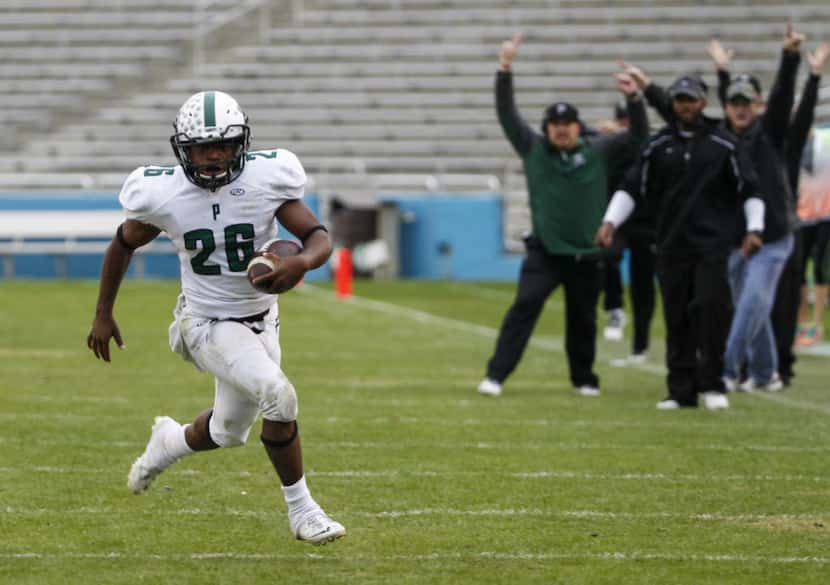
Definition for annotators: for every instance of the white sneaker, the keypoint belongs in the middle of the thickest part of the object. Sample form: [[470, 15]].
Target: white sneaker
[[316, 527], [614, 327], [668, 404], [489, 387], [747, 385], [715, 401], [634, 359], [774, 385], [155, 458], [587, 390], [731, 384]]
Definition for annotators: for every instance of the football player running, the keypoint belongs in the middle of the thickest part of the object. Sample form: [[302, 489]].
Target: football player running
[[217, 207]]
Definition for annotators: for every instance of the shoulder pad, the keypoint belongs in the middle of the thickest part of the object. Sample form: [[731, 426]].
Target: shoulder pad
[[144, 190], [278, 171]]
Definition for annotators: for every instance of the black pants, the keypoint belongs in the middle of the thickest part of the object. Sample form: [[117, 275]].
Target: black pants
[[785, 309], [540, 275], [642, 290], [698, 310]]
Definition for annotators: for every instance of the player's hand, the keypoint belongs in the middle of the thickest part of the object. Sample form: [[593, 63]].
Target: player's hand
[[605, 234], [640, 78], [751, 243], [818, 58], [104, 328], [721, 57], [508, 51], [626, 84], [288, 272], [792, 39]]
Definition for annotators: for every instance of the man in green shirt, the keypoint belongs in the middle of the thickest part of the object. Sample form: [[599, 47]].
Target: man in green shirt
[[567, 182]]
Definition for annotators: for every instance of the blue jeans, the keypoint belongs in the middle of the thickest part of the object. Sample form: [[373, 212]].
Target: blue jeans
[[753, 282]]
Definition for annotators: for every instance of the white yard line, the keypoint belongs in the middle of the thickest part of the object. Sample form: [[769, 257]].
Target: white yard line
[[391, 473], [8, 352], [463, 446], [787, 401], [668, 423], [434, 557], [548, 343], [420, 512]]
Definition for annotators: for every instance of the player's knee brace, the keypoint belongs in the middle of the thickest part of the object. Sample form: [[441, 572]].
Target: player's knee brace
[[279, 401], [226, 437], [281, 444]]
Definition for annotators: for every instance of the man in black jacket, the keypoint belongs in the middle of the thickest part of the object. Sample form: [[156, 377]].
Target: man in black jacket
[[694, 180], [567, 186], [637, 235]]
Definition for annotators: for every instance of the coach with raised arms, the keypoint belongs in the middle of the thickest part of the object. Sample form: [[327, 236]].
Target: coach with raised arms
[[567, 182]]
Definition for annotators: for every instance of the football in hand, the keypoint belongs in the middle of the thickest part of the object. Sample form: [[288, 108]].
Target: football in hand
[[260, 264]]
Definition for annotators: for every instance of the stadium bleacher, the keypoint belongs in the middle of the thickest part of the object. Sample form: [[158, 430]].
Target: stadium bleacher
[[366, 92]]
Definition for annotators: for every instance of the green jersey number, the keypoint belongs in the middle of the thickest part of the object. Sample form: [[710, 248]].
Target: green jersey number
[[239, 248], [253, 155], [158, 171]]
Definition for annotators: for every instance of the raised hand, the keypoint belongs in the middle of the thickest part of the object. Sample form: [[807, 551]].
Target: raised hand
[[635, 73], [626, 84], [817, 58], [508, 51], [792, 39], [721, 56]]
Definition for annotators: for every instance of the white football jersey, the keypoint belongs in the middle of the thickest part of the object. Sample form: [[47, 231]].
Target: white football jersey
[[216, 233]]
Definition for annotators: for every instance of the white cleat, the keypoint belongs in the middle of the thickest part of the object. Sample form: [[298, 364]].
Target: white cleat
[[616, 323], [731, 384], [635, 359], [489, 387], [587, 390], [668, 404], [715, 401], [774, 385], [155, 458], [317, 528]]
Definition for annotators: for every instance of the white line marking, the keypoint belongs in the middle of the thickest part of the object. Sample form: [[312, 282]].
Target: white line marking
[[481, 445], [543, 342], [817, 517], [786, 401], [552, 343], [8, 352], [665, 423], [390, 473], [434, 557]]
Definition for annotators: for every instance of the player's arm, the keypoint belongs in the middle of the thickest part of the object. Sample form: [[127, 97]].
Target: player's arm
[[298, 219], [131, 235]]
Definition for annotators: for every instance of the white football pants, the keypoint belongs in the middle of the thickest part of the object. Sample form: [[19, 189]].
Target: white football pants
[[246, 365]]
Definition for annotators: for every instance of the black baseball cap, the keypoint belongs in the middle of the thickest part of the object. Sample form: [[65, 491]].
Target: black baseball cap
[[748, 77], [689, 85], [741, 89], [561, 112]]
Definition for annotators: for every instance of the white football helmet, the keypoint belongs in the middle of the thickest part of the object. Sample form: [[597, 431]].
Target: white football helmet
[[210, 117]]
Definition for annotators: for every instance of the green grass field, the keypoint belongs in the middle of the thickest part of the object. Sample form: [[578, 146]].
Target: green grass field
[[434, 483]]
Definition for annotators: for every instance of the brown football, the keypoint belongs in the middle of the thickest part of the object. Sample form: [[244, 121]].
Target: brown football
[[260, 265]]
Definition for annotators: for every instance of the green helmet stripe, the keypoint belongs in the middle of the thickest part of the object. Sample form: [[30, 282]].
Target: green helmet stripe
[[210, 109]]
